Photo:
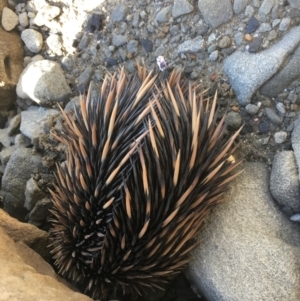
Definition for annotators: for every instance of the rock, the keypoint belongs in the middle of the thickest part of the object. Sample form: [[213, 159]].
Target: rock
[[6, 153], [280, 137], [40, 212], [247, 246], [119, 13], [266, 7], [33, 194], [9, 19], [273, 116], [284, 181], [216, 12], [84, 79], [252, 25], [164, 14], [12, 55], [34, 120], [255, 44], [225, 42], [281, 80], [84, 41], [20, 166], [21, 267], [296, 141], [54, 43], [22, 141], [294, 3], [23, 19], [147, 45], [240, 5], [26, 234], [251, 108], [46, 14], [284, 24], [214, 56], [248, 72], [181, 7], [280, 107], [43, 82], [132, 46], [119, 40], [94, 23], [194, 45], [32, 39]]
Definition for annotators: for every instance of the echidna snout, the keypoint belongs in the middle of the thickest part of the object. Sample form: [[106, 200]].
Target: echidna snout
[[146, 162]]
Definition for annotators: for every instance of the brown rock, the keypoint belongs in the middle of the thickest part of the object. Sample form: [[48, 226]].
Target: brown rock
[[25, 276], [248, 37], [11, 66], [28, 234]]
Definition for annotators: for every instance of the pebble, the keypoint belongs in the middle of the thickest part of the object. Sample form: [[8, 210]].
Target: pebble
[[225, 42], [264, 27], [84, 41], [252, 25], [263, 126], [214, 55], [181, 7], [238, 38], [272, 115], [251, 108], [119, 40], [9, 19], [266, 6], [234, 121], [280, 137], [164, 15], [54, 43], [284, 24], [46, 14], [194, 45], [32, 39], [249, 11], [147, 45], [132, 46], [281, 108], [119, 13], [255, 44], [23, 19]]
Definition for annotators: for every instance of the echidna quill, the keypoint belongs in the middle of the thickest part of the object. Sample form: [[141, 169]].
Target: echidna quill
[[146, 162]]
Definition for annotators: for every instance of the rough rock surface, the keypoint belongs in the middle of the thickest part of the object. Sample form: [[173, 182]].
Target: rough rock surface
[[44, 82], [242, 235], [22, 269]]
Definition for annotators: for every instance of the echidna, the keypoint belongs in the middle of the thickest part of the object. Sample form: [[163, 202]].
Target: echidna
[[147, 160]]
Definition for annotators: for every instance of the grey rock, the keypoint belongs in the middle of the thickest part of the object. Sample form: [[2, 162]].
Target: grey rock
[[296, 141], [32, 39], [181, 7], [43, 82], [132, 46], [248, 72], [160, 50], [5, 139], [32, 194], [274, 118], [215, 12], [23, 19], [249, 11], [119, 40], [281, 80], [247, 246], [22, 141], [20, 166], [84, 41], [284, 180], [225, 42], [240, 5], [136, 19], [280, 137], [238, 38], [9, 19], [6, 153], [295, 217], [285, 24], [264, 27], [294, 3], [40, 211], [84, 79], [280, 107], [14, 124], [119, 13], [234, 121], [266, 7], [164, 14], [194, 45], [214, 56], [251, 108], [33, 121]]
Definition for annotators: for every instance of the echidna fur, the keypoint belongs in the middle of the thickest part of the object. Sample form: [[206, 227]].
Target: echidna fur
[[146, 162]]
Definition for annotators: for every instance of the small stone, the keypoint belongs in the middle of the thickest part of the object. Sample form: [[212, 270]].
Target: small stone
[[32, 39], [264, 27], [274, 118], [266, 7], [54, 43], [275, 22], [280, 137], [84, 78], [84, 42], [252, 25], [119, 40], [9, 19], [248, 37], [234, 121], [164, 14], [249, 11], [94, 23], [284, 24], [214, 56], [23, 19], [132, 46], [194, 45], [255, 44], [263, 127], [238, 38], [225, 42], [251, 108], [119, 12], [46, 14], [111, 62], [181, 7], [272, 35], [280, 107], [147, 45], [32, 194]]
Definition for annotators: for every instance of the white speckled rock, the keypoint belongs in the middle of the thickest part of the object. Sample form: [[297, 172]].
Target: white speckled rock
[[32, 39], [249, 250]]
